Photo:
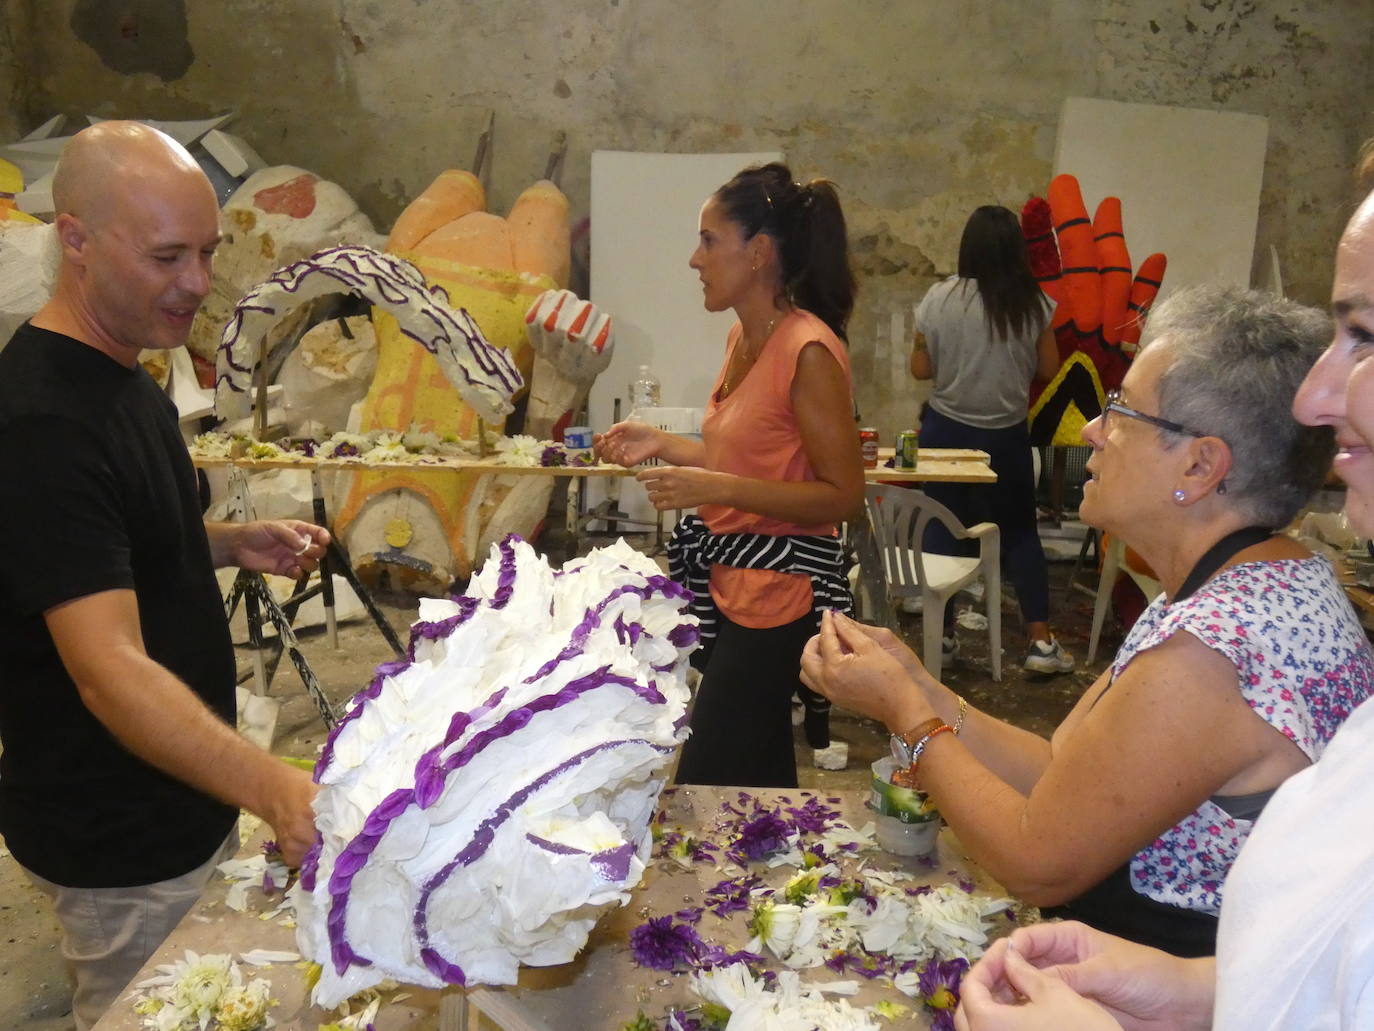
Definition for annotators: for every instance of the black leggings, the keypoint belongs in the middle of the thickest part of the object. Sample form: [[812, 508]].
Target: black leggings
[[742, 717], [1009, 503]]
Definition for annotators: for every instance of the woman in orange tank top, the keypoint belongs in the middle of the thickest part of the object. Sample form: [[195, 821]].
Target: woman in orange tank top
[[777, 468]]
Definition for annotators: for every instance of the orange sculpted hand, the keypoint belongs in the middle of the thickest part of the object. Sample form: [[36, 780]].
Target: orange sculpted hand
[[1085, 268]]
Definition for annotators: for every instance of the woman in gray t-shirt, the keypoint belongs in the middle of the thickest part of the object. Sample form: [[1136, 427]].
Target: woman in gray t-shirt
[[983, 335]]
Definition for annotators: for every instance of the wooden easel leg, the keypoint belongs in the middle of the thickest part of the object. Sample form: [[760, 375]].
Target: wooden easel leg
[[331, 621]]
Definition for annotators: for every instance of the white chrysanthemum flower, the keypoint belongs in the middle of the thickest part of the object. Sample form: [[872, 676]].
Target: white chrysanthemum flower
[[794, 1006], [199, 992], [520, 450], [421, 441], [776, 924], [199, 986], [951, 922], [245, 1008], [264, 450], [731, 986], [888, 923], [211, 445], [450, 445], [840, 835], [352, 444], [386, 451]]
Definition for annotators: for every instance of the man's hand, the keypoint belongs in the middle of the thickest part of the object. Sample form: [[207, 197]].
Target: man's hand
[[846, 665], [287, 809], [285, 547]]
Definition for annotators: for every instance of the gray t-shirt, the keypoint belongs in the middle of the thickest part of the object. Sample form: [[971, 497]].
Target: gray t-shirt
[[979, 380]]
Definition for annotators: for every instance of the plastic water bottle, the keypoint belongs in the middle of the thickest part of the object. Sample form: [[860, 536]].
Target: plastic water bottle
[[644, 389]]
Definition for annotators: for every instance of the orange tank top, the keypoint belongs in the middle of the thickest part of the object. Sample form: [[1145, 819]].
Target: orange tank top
[[753, 433]]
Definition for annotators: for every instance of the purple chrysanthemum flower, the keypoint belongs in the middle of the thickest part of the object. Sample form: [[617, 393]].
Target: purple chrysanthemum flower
[[939, 985], [677, 1018], [662, 945], [731, 895], [813, 817], [344, 450], [759, 838], [584, 458], [553, 455], [719, 956]]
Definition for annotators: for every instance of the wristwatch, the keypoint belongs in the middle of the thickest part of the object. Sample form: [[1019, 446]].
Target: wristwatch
[[903, 745]]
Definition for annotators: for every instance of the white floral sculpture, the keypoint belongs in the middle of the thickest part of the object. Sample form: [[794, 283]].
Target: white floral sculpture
[[485, 376], [482, 801]]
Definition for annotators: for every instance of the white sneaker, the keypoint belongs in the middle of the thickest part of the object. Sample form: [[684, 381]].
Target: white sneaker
[[949, 649], [1048, 657], [833, 757], [912, 606]]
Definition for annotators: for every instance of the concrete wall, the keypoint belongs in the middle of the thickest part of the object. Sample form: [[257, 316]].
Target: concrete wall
[[11, 102], [919, 109]]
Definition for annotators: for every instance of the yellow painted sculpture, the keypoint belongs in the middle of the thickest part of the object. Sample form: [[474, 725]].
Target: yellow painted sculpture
[[11, 185], [426, 527]]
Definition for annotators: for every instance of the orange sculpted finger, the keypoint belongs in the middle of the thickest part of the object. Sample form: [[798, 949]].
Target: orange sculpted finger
[[1114, 264], [599, 344], [551, 323], [1143, 292], [1077, 252]]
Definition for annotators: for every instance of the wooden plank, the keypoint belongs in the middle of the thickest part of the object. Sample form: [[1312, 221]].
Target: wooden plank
[[932, 466]]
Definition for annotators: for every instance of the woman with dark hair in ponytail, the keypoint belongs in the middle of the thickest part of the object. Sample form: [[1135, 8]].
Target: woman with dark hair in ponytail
[[982, 336], [777, 468]]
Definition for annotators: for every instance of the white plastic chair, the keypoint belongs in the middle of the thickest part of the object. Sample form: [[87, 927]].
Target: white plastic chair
[[1114, 562], [899, 516]]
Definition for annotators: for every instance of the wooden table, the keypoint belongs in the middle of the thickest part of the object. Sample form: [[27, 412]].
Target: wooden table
[[600, 990], [933, 465]]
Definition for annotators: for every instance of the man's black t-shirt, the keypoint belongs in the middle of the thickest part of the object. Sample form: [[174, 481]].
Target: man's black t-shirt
[[98, 494]]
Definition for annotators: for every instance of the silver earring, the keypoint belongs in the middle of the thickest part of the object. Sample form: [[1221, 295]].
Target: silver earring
[[1180, 496]]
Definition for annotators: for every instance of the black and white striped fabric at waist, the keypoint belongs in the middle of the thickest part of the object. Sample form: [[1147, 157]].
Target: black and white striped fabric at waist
[[693, 550]]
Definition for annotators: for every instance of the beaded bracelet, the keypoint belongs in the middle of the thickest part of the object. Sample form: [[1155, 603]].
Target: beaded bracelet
[[920, 745]]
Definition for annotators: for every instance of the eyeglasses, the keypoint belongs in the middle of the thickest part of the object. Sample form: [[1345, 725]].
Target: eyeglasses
[[1114, 405]]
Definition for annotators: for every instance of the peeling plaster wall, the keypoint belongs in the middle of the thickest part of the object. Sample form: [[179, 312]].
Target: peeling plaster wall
[[920, 110], [11, 107]]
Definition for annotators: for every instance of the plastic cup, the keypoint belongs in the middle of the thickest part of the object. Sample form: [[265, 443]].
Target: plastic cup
[[907, 823]]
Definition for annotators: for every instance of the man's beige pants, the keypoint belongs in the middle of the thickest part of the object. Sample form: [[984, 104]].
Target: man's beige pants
[[109, 933]]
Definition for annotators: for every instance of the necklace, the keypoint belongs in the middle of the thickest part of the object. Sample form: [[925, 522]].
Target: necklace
[[742, 361]]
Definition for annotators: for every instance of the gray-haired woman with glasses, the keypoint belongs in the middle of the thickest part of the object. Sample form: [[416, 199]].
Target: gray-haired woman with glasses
[[1131, 815]]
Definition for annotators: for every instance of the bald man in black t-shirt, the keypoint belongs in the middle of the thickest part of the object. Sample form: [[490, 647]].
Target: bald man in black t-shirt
[[121, 774]]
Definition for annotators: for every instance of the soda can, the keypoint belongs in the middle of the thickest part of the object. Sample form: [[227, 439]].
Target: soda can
[[904, 454], [868, 444]]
